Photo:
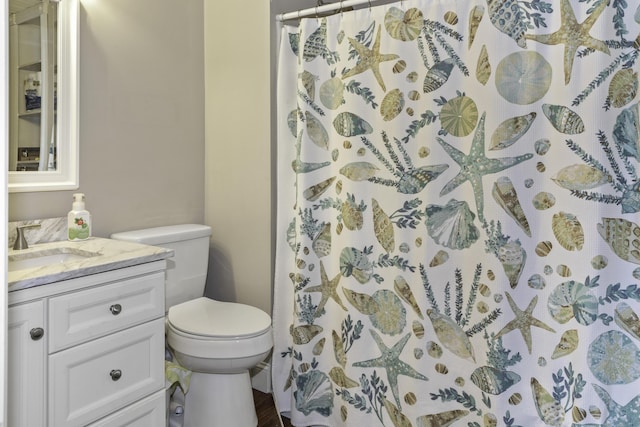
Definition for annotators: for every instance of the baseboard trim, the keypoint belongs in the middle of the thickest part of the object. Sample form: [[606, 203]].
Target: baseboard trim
[[261, 377]]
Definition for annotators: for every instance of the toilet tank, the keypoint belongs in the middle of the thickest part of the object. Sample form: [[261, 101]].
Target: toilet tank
[[187, 270]]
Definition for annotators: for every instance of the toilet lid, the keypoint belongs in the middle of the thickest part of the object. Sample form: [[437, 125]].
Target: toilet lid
[[206, 317]]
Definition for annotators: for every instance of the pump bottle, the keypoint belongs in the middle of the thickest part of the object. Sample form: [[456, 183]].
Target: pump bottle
[[78, 220]]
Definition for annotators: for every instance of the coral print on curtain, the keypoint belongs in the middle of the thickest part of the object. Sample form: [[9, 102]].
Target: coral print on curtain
[[458, 229]]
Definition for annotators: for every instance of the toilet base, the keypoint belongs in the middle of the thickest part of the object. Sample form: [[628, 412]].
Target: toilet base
[[220, 400]]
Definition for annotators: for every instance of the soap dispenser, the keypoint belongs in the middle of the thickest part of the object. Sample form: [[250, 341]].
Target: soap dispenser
[[78, 220]]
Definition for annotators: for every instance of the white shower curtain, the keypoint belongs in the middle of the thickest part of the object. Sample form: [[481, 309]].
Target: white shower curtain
[[458, 230]]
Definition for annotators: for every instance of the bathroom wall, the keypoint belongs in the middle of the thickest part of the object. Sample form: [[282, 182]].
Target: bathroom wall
[[142, 130], [238, 173], [141, 117]]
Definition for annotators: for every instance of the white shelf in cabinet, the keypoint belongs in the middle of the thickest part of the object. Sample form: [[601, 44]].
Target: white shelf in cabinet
[[31, 114], [34, 66]]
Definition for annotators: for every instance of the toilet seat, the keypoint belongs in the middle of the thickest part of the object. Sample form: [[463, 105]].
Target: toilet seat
[[205, 328], [209, 319]]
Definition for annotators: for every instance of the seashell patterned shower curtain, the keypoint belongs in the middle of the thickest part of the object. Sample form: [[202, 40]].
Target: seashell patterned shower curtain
[[458, 236]]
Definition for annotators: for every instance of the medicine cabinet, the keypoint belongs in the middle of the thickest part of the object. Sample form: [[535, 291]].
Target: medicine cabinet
[[43, 95]]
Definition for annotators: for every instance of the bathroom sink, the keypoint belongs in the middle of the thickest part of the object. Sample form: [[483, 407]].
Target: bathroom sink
[[41, 258]]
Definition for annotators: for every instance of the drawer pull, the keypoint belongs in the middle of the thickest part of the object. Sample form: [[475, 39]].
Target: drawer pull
[[36, 333], [115, 374], [115, 309]]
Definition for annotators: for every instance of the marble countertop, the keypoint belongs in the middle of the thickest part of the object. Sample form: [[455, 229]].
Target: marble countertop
[[95, 255]]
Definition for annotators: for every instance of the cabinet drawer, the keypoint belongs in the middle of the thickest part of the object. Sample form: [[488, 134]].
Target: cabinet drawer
[[149, 412], [79, 317], [97, 378]]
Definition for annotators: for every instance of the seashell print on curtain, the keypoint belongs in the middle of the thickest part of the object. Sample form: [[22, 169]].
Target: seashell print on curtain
[[458, 237]]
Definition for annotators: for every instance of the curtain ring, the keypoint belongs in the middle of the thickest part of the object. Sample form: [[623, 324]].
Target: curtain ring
[[341, 9], [317, 12], [369, 5]]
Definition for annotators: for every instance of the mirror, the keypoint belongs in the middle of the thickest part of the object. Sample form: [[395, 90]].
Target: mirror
[[43, 95]]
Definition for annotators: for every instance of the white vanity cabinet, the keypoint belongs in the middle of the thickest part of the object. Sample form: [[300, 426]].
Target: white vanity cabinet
[[101, 358]]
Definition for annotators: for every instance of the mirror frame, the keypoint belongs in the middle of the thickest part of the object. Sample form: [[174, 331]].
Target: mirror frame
[[66, 175]]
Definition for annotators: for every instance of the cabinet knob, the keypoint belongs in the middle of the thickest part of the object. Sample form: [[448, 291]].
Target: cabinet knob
[[36, 333], [115, 309], [115, 374]]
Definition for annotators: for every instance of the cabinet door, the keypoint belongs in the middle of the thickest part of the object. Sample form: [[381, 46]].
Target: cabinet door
[[26, 371]]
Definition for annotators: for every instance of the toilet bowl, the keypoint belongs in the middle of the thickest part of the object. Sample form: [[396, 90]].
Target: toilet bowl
[[218, 341]]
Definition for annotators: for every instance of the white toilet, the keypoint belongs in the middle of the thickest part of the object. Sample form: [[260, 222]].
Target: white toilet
[[218, 341]]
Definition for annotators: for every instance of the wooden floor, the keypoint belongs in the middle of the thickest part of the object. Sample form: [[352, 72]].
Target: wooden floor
[[266, 410]]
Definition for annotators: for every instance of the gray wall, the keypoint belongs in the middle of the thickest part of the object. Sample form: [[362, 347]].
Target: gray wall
[[238, 173], [141, 118], [145, 158]]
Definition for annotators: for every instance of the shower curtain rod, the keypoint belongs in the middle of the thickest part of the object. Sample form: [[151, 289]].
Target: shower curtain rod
[[321, 9]]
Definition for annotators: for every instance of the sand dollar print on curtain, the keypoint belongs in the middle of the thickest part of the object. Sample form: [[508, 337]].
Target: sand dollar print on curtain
[[458, 229]]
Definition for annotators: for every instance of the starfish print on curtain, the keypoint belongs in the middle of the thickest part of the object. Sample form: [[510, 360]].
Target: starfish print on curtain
[[390, 361], [619, 415], [573, 35], [328, 290], [370, 59], [523, 321], [475, 165]]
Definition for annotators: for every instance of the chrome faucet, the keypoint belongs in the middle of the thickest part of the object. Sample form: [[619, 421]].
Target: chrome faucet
[[21, 242]]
